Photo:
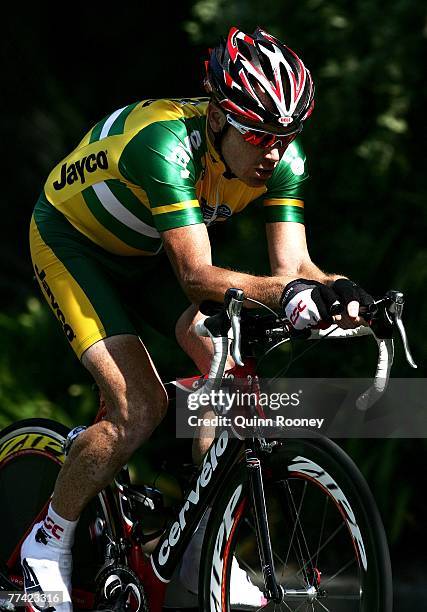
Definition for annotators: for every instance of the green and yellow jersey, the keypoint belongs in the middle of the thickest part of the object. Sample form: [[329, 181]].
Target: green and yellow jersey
[[150, 167], [144, 169]]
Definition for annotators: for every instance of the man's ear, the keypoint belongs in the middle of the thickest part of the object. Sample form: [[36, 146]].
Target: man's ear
[[216, 118]]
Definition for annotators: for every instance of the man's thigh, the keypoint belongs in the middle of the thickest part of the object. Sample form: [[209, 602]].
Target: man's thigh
[[129, 383], [155, 297]]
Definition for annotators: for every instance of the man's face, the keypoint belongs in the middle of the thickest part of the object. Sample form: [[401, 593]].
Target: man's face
[[251, 164]]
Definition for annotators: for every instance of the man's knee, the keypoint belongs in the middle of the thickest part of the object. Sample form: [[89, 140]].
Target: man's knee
[[137, 410], [184, 328], [141, 421], [135, 399], [196, 347]]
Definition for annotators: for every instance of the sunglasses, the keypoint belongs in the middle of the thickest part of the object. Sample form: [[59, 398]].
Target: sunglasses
[[263, 138]]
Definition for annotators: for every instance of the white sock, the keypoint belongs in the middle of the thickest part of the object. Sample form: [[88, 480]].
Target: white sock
[[46, 557], [60, 531]]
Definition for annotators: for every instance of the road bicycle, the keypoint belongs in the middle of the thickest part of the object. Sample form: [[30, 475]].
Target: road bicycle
[[295, 513]]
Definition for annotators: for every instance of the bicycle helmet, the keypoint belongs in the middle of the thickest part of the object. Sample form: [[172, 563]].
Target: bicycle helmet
[[258, 79]]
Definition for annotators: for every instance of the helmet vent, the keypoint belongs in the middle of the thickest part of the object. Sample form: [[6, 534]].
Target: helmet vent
[[286, 86]]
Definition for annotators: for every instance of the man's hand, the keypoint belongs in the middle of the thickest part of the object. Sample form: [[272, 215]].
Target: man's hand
[[306, 303], [351, 296]]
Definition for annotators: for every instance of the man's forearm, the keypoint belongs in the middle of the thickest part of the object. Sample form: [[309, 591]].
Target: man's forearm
[[211, 282], [310, 271]]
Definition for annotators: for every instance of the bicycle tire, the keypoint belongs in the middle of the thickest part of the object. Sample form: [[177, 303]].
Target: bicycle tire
[[297, 474], [31, 456]]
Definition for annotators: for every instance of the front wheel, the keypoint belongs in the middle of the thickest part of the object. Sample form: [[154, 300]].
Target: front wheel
[[329, 547]]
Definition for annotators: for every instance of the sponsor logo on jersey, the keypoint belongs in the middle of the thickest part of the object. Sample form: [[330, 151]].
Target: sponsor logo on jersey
[[68, 330], [183, 153], [213, 213], [77, 170]]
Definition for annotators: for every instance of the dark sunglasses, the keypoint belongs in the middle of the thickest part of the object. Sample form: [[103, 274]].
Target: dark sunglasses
[[263, 138]]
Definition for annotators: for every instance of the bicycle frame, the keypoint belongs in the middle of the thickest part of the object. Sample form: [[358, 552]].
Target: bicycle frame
[[120, 536], [223, 453]]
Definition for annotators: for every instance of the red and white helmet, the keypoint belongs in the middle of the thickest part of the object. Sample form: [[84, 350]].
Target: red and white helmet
[[259, 79]]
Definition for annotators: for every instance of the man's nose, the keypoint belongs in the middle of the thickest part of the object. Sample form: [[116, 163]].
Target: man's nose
[[273, 154]]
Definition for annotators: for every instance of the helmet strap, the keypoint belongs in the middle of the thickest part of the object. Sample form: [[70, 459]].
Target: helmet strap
[[218, 136]]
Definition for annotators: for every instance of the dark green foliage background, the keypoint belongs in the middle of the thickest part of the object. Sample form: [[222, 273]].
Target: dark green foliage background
[[366, 210]]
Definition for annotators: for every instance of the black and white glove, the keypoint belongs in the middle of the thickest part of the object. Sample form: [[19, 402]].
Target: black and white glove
[[306, 302], [348, 292]]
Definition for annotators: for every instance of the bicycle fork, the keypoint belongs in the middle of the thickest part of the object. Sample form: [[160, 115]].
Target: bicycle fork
[[275, 591]]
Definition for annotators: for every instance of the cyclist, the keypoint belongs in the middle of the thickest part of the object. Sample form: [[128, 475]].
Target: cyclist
[[153, 176]]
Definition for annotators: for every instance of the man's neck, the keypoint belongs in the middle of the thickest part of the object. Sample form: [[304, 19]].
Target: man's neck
[[215, 141]]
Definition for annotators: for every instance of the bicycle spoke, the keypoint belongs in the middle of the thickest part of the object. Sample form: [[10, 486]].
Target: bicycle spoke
[[344, 597], [331, 537], [297, 517], [275, 607], [299, 607], [340, 571], [324, 607], [288, 607], [294, 531], [276, 556], [246, 565], [295, 544], [310, 544]]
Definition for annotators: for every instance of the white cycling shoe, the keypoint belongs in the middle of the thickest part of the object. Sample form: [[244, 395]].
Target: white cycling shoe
[[242, 591], [47, 569]]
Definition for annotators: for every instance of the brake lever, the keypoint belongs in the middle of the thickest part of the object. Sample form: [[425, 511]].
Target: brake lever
[[395, 309], [233, 302], [386, 314]]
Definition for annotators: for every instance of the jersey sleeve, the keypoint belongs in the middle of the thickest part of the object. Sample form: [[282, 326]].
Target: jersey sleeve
[[161, 161], [284, 198]]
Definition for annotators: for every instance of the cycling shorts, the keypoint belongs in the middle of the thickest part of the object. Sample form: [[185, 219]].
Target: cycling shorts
[[95, 294]]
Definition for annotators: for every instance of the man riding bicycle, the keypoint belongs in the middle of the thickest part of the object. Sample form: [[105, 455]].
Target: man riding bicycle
[[153, 176]]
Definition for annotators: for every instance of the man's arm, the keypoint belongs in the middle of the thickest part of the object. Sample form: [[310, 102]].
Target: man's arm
[[189, 251], [288, 252]]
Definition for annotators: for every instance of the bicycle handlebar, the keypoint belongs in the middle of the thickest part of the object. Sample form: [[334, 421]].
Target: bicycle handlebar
[[383, 316]]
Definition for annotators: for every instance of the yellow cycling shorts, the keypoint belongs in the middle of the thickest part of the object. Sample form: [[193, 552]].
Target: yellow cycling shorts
[[95, 294]]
